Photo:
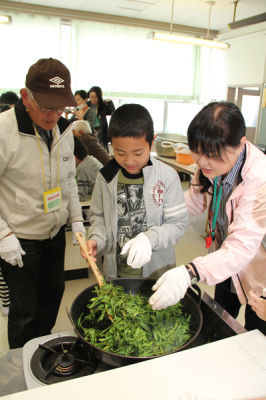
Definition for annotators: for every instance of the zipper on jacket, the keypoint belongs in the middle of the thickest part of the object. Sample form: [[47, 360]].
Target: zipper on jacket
[[242, 288], [232, 215]]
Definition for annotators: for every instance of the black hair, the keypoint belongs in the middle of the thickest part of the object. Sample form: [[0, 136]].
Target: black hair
[[131, 120], [9, 98], [217, 126], [98, 91], [82, 94], [4, 108], [80, 150]]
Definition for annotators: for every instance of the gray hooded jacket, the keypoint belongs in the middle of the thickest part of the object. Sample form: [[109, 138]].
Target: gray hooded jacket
[[166, 212]]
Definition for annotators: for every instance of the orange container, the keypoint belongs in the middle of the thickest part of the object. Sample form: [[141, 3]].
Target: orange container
[[184, 158]]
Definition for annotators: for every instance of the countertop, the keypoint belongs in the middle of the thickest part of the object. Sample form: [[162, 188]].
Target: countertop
[[187, 169], [229, 369]]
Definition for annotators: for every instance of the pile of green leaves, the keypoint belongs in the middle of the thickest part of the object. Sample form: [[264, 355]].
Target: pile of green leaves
[[136, 329]]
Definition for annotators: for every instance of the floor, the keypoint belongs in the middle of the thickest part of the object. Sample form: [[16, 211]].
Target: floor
[[191, 245]]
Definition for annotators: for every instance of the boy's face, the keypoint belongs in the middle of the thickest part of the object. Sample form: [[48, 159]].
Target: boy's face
[[131, 153]]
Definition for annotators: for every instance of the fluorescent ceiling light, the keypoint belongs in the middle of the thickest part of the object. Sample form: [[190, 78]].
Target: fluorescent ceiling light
[[187, 40], [5, 19]]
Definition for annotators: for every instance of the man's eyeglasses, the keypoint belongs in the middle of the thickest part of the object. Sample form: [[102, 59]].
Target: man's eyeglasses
[[48, 110]]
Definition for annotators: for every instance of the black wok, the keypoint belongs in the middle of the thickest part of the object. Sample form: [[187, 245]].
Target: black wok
[[133, 286]]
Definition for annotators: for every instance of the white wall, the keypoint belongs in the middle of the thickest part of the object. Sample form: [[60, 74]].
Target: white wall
[[242, 64]]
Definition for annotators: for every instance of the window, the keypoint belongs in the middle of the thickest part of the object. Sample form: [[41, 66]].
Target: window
[[180, 115]]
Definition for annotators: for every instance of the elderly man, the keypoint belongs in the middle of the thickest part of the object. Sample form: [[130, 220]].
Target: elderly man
[[39, 197]]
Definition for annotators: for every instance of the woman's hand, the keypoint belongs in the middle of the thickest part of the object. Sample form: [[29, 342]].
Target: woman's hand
[[77, 114], [258, 305]]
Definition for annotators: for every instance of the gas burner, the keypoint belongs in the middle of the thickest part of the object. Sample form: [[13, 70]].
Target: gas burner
[[61, 359]]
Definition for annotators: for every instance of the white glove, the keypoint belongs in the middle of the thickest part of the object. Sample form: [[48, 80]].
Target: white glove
[[170, 288], [11, 251], [77, 227], [139, 251]]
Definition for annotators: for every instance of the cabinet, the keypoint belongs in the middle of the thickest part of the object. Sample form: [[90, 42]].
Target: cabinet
[[73, 258]]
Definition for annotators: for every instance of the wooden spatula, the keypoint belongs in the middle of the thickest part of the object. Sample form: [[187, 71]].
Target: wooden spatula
[[89, 258], [91, 263]]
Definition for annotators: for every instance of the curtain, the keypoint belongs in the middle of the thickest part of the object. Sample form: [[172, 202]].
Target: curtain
[[29, 38], [124, 63]]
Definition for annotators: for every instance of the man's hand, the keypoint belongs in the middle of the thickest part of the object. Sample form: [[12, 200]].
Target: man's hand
[[257, 304], [77, 227], [11, 251], [170, 288], [139, 251]]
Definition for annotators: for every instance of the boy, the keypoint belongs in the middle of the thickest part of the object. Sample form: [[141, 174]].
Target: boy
[[138, 210], [87, 169]]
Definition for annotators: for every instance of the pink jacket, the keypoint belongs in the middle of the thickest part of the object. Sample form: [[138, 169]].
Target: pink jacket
[[242, 255]]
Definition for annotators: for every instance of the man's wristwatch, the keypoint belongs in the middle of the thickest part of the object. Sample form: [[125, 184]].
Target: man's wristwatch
[[193, 278]]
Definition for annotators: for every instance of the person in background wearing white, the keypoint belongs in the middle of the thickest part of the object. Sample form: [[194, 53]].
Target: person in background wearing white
[[87, 169], [231, 184], [39, 196]]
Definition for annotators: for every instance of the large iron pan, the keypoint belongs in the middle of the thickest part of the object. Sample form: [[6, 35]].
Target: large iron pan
[[133, 286]]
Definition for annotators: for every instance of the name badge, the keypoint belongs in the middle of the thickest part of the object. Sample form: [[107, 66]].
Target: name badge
[[52, 199]]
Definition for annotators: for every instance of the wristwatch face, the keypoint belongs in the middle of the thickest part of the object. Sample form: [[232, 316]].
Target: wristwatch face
[[193, 278]]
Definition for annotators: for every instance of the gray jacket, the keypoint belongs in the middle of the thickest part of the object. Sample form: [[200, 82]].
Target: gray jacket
[[86, 174], [166, 214]]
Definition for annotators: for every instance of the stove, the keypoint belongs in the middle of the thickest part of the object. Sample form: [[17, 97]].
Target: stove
[[57, 357], [61, 356]]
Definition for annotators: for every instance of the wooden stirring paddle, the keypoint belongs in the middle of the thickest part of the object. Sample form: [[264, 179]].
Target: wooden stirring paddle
[[91, 263]]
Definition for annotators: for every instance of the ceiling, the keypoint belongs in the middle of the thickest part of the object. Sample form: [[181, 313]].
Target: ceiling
[[194, 13]]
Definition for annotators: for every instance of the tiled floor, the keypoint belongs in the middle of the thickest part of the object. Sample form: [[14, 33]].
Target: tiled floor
[[191, 245]]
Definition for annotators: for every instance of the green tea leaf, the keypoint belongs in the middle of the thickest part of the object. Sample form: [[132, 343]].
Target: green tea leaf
[[136, 329]]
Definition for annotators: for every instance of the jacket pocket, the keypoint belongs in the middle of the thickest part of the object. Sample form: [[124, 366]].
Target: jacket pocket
[[23, 208]]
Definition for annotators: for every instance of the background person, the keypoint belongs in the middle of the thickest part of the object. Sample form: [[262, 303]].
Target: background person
[[231, 184], [147, 232], [82, 130], [101, 108], [8, 100], [38, 198], [82, 112], [87, 169]]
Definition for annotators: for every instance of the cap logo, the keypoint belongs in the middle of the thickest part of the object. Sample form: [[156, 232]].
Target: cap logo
[[57, 82]]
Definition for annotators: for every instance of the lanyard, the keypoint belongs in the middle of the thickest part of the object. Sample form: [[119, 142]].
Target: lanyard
[[38, 136], [215, 206], [215, 210]]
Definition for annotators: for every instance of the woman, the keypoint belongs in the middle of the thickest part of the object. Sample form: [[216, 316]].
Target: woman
[[101, 108], [83, 112], [231, 184]]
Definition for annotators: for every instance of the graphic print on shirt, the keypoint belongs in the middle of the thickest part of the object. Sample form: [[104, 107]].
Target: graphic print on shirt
[[131, 215]]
